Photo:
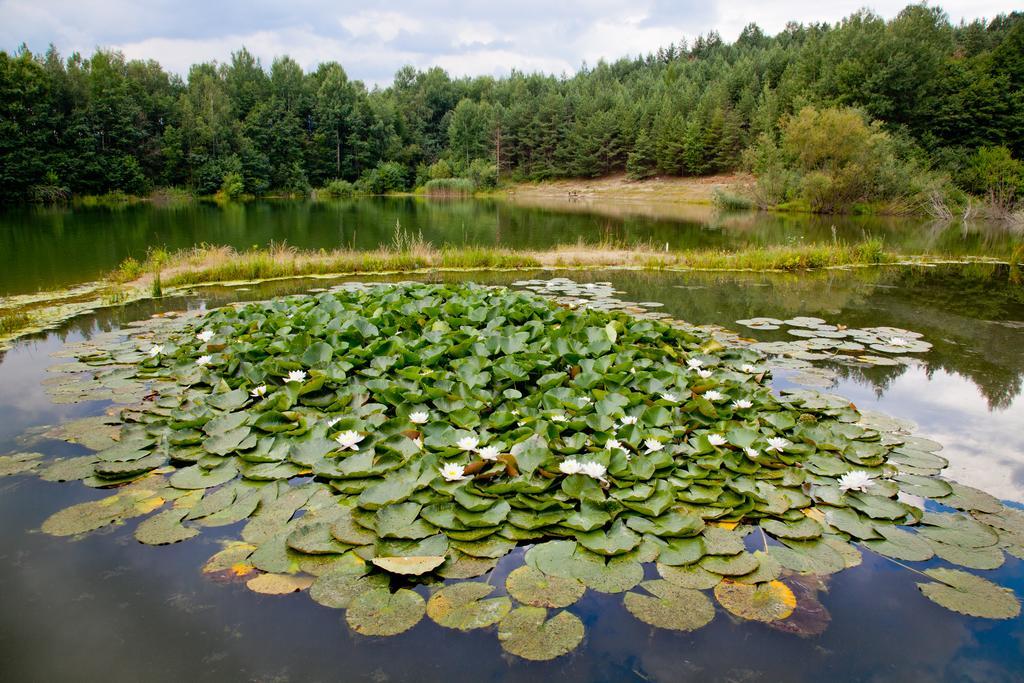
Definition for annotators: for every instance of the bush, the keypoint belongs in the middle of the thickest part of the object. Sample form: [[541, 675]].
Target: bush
[[483, 173], [449, 187], [388, 176], [728, 201], [336, 189], [833, 160], [993, 172], [233, 186], [439, 169]]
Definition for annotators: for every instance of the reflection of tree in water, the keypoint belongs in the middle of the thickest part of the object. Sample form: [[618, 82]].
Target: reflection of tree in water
[[959, 309]]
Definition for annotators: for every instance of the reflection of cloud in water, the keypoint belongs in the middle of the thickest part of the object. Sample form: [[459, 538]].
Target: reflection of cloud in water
[[985, 448]]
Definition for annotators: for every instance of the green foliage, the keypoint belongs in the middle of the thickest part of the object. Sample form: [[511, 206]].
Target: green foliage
[[449, 187], [993, 172], [483, 174], [831, 160], [729, 201], [439, 170], [103, 123], [232, 187], [337, 189], [389, 176]]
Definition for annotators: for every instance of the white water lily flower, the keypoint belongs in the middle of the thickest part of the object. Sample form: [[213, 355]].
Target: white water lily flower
[[857, 480], [515, 411], [259, 392], [653, 445], [468, 443], [593, 469], [489, 453], [898, 341], [570, 466], [419, 417], [155, 350], [748, 368], [751, 452], [203, 360], [205, 336], [704, 374], [695, 363], [742, 404], [628, 420], [716, 440], [612, 444], [714, 395], [777, 444], [558, 417], [297, 376], [453, 472], [419, 443], [669, 396], [349, 440], [333, 421]]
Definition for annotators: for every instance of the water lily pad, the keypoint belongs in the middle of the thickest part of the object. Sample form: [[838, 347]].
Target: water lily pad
[[462, 606], [761, 602], [337, 588], [528, 633], [164, 528], [533, 587], [195, 477], [278, 584], [382, 613], [413, 565], [901, 544], [969, 594], [693, 576], [19, 463], [670, 606]]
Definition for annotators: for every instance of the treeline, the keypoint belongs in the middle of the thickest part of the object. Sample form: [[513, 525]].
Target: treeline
[[927, 96]]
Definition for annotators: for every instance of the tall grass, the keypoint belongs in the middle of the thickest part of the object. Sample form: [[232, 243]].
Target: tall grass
[[449, 187], [410, 252]]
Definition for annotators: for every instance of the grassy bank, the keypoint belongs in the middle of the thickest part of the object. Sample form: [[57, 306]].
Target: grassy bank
[[208, 264]]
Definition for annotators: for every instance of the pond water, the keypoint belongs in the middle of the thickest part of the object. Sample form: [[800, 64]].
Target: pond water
[[108, 607], [50, 247]]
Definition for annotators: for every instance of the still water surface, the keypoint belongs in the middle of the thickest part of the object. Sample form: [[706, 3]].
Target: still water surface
[[50, 247], [106, 607]]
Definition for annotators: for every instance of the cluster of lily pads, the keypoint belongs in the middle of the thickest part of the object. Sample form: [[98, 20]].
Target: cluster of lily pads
[[426, 431], [820, 340]]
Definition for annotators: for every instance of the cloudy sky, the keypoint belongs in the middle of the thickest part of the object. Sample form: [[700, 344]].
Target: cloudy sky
[[372, 42]]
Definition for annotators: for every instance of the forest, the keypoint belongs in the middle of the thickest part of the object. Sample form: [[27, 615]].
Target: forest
[[904, 111]]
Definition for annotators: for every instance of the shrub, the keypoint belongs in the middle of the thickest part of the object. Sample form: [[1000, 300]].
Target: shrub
[[336, 189], [832, 160], [388, 176], [233, 186], [728, 201], [993, 172], [483, 173], [449, 187], [439, 169]]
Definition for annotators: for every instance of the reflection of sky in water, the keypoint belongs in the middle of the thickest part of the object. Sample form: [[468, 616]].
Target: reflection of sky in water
[[106, 607]]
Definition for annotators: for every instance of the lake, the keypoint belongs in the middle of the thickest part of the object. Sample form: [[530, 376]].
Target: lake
[[105, 606], [45, 248]]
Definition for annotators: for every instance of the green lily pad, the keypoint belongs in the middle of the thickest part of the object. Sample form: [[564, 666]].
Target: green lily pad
[[533, 587], [382, 613], [462, 606], [164, 528], [670, 606], [969, 594], [528, 633], [337, 588], [772, 601]]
